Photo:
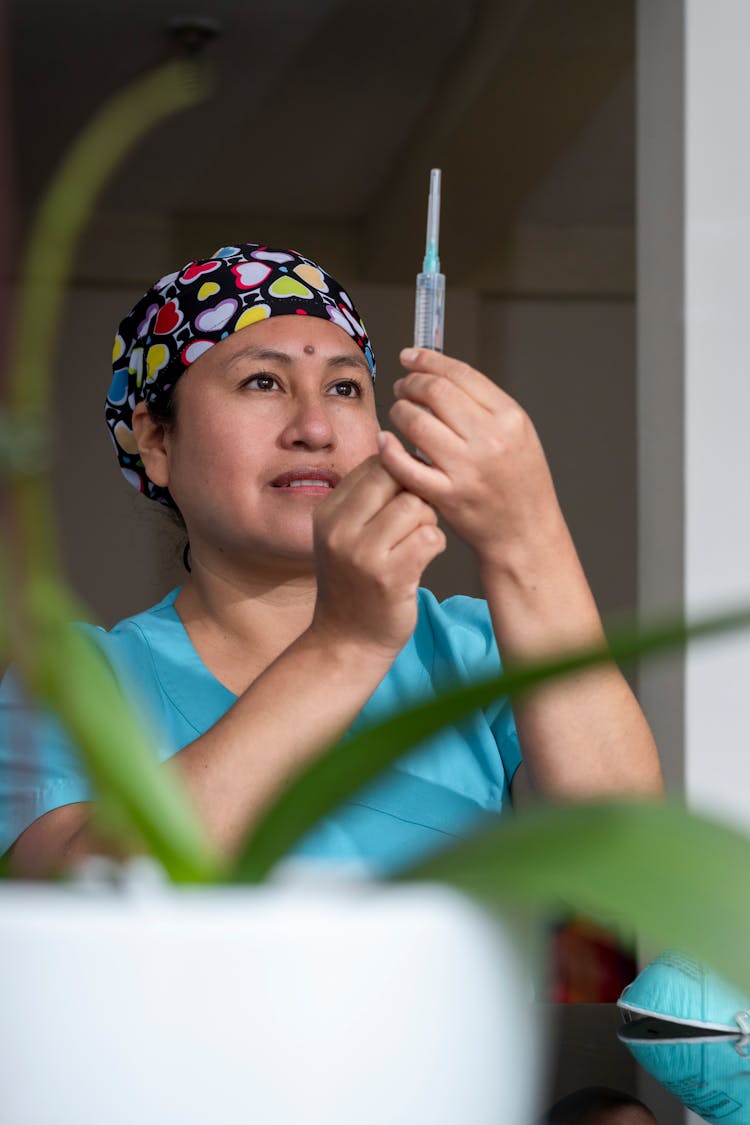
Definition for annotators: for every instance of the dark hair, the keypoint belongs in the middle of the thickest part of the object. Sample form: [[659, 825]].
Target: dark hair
[[166, 415], [590, 1106]]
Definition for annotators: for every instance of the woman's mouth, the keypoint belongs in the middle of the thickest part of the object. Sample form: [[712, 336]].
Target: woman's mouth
[[307, 480]]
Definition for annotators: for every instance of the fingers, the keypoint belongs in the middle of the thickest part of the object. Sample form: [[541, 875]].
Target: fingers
[[437, 437], [369, 514], [472, 382], [443, 399], [395, 548], [362, 493], [370, 558], [461, 398], [417, 550], [427, 481], [400, 518]]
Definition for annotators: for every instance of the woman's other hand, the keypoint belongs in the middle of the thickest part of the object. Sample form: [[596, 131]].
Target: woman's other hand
[[372, 540], [488, 476]]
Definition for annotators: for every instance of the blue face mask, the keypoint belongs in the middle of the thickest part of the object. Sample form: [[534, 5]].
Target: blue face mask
[[677, 988], [701, 1053]]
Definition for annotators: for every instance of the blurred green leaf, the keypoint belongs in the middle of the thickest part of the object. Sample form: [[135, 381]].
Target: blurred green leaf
[[68, 204], [70, 675], [58, 664], [350, 765], [678, 875], [4, 586]]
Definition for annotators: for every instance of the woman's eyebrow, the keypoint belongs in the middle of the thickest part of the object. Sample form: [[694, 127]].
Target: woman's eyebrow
[[348, 360], [252, 351]]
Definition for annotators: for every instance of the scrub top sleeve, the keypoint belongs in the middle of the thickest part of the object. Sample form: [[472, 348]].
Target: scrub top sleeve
[[503, 727], [40, 768]]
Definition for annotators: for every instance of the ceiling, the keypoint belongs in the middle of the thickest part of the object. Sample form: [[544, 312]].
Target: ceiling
[[333, 111]]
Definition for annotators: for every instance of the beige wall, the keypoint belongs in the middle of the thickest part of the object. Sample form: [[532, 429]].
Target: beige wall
[[571, 365]]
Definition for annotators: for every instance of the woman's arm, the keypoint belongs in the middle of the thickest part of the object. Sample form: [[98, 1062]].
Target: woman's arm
[[372, 542], [586, 735]]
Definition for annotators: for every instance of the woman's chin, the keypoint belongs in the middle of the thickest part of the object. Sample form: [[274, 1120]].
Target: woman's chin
[[293, 552]]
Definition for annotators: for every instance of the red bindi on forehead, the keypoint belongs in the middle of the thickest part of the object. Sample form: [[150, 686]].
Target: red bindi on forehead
[[309, 349]]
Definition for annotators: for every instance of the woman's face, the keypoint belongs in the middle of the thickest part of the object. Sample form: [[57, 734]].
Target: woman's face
[[282, 402]]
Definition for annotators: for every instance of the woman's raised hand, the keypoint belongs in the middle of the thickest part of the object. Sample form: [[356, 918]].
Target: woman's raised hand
[[488, 476], [372, 542]]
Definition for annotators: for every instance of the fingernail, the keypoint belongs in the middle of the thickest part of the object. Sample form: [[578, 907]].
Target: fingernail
[[408, 355], [381, 440]]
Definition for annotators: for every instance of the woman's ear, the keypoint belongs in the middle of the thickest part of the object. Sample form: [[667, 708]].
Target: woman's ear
[[150, 437]]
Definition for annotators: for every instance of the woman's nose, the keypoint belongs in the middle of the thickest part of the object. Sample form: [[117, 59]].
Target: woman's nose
[[308, 425]]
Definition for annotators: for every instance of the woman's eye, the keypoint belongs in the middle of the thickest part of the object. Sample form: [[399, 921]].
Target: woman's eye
[[347, 388], [260, 382]]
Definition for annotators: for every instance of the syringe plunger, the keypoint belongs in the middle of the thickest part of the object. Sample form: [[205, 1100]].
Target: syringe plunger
[[431, 258]]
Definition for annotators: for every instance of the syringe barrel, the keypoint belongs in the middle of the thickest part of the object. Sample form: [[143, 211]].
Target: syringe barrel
[[429, 311]]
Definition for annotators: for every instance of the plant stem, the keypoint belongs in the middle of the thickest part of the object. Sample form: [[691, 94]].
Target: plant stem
[[36, 627]]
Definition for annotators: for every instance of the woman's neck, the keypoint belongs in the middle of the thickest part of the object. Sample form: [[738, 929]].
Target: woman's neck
[[240, 621]]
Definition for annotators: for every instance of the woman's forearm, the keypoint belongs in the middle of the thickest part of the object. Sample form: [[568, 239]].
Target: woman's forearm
[[303, 702], [585, 735]]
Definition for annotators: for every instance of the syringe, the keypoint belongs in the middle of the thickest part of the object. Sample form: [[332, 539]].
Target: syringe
[[429, 312]]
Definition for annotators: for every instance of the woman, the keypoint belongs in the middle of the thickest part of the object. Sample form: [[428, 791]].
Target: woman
[[242, 396]]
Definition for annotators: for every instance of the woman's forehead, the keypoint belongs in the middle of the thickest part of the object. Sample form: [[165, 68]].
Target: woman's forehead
[[284, 339]]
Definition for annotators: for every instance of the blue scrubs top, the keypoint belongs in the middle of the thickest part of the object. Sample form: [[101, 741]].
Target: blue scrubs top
[[434, 794]]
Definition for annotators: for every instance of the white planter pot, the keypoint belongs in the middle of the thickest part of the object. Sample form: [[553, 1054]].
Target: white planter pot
[[344, 1002]]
